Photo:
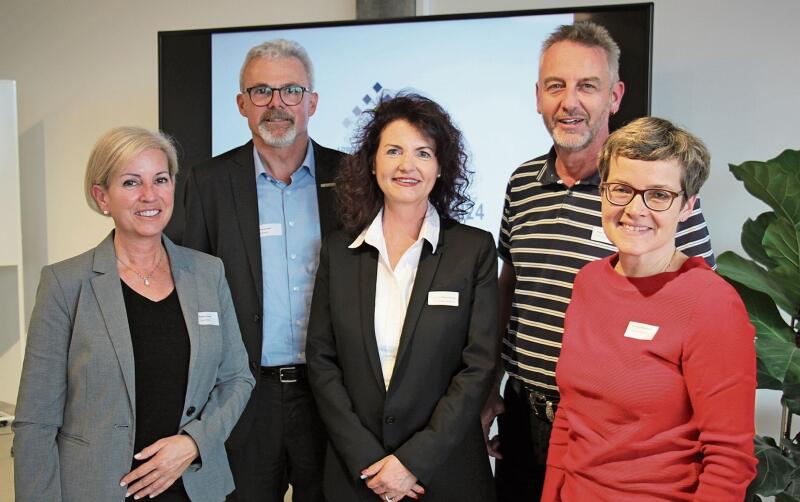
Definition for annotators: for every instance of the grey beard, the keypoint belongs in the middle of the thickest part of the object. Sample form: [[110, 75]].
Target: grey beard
[[283, 141], [571, 142]]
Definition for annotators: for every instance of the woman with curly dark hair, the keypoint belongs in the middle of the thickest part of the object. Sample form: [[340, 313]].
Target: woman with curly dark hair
[[401, 340]]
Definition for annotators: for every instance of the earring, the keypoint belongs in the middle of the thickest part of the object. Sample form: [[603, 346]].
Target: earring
[[373, 172], [439, 175], [105, 212]]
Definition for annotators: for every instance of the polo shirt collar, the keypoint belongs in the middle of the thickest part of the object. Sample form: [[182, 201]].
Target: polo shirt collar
[[549, 176]]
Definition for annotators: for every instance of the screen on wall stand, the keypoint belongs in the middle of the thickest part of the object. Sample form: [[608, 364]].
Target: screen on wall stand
[[482, 68]]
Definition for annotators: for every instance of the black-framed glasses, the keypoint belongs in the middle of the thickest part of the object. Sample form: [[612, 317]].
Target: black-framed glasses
[[261, 95], [656, 199]]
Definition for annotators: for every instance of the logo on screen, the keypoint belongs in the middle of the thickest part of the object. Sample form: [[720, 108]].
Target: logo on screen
[[367, 102]]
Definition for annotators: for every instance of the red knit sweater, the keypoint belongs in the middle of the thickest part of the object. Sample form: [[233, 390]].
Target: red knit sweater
[[669, 418]]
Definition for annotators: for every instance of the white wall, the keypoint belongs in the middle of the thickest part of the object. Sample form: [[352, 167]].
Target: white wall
[[727, 70], [11, 311]]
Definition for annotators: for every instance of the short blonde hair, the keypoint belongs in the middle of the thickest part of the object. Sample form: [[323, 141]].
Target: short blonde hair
[[117, 148]]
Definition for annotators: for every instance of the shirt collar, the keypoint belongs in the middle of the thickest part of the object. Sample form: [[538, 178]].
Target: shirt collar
[[549, 176], [373, 234], [308, 164]]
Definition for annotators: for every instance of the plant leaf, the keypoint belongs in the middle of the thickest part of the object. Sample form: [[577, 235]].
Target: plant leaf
[[763, 313], [765, 379], [775, 182], [782, 244], [753, 237], [789, 496], [748, 273], [774, 470], [774, 338], [791, 396], [781, 359]]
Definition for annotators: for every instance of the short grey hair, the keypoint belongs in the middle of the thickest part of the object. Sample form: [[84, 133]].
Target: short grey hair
[[116, 149], [588, 34], [652, 139], [277, 49]]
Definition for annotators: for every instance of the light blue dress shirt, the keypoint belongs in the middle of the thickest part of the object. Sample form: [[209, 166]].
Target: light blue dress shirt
[[288, 218]]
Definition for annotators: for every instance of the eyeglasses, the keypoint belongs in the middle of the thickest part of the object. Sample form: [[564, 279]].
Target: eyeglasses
[[261, 95], [656, 199]]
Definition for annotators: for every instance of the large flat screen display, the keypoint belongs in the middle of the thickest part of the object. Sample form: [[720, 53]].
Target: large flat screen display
[[481, 68]]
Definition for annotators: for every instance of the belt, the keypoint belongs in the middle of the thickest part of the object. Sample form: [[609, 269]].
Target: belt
[[542, 405], [285, 374]]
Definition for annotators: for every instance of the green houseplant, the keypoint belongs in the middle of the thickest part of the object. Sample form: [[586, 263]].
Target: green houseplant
[[769, 284]]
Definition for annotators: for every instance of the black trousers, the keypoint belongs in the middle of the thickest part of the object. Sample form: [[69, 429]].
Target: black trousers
[[287, 445], [524, 438]]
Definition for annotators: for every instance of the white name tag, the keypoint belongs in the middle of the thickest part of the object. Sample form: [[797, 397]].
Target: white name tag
[[599, 235], [208, 319], [270, 229], [449, 298], [640, 331]]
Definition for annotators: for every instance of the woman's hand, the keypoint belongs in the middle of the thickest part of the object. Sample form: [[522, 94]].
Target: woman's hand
[[169, 457], [391, 481]]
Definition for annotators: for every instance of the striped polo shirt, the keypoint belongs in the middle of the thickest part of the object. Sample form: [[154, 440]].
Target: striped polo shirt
[[549, 231]]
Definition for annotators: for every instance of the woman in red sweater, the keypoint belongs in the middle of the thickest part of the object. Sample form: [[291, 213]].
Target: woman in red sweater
[[657, 368]]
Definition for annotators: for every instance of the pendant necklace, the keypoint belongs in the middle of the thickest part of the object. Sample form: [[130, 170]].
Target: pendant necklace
[[145, 278]]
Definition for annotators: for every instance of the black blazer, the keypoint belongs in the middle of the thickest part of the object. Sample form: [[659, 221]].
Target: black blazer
[[430, 415], [222, 220]]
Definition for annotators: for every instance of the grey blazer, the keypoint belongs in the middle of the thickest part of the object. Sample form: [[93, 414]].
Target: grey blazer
[[74, 428]]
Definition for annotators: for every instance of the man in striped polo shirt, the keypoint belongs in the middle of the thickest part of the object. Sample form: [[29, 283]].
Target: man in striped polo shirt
[[551, 227]]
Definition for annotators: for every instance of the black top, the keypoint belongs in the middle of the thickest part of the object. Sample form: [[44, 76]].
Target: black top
[[161, 360]]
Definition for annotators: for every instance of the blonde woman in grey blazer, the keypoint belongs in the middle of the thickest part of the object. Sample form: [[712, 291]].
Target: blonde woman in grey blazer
[[130, 339]]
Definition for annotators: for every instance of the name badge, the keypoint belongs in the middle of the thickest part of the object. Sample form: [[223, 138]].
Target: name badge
[[640, 331], [208, 319], [270, 229], [449, 298], [599, 235]]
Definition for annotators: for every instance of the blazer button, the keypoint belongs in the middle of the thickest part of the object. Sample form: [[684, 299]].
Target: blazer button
[[190, 411], [389, 420], [256, 318]]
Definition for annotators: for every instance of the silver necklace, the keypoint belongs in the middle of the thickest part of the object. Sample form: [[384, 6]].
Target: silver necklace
[[145, 278]]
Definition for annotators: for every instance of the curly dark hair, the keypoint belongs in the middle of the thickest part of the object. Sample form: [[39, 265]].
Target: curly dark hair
[[360, 197]]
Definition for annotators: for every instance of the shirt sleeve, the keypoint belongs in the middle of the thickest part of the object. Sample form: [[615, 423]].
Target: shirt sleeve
[[719, 367], [504, 240], [354, 443], [233, 385], [42, 394], [459, 408]]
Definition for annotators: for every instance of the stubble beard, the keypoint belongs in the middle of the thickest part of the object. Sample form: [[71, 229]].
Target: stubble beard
[[285, 136], [571, 142], [577, 142], [278, 141]]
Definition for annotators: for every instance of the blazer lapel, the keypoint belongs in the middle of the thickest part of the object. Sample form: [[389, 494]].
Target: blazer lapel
[[426, 271], [368, 274], [186, 286], [326, 166], [108, 291], [245, 200]]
